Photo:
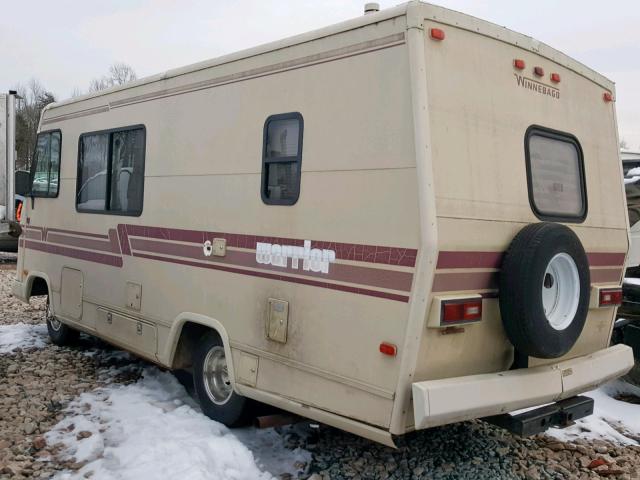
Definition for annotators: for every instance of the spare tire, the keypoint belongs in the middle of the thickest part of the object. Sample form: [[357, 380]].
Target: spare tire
[[544, 290]]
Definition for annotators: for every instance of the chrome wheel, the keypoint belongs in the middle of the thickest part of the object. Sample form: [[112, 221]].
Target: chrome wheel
[[216, 376], [55, 324], [561, 291]]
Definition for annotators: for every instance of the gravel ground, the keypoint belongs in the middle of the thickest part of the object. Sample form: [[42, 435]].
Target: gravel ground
[[36, 385]]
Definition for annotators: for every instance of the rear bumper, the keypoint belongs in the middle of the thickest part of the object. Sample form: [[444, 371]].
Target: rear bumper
[[437, 402]]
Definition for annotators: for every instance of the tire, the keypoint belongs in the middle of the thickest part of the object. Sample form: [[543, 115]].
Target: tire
[[59, 333], [544, 290], [216, 396]]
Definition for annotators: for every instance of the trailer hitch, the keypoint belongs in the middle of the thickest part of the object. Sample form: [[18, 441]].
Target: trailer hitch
[[560, 414]]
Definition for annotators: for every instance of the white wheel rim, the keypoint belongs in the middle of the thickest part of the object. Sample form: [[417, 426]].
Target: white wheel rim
[[561, 291]]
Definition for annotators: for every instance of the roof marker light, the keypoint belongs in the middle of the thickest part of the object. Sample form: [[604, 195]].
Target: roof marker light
[[437, 34], [519, 64], [539, 71], [555, 77], [607, 97]]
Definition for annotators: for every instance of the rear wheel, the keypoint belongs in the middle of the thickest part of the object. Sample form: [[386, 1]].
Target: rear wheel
[[59, 333], [213, 385]]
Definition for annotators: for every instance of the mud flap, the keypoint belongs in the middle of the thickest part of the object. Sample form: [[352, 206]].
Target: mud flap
[[560, 414]]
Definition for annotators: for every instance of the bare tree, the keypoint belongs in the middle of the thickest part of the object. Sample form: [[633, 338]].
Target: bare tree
[[119, 74], [34, 97]]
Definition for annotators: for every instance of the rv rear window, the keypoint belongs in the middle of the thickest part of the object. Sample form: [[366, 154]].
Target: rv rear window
[[46, 165], [281, 159], [111, 172], [555, 173]]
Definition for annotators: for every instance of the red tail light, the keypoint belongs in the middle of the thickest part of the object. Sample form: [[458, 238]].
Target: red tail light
[[607, 97], [437, 34], [461, 311], [19, 212], [555, 77], [539, 71], [611, 297]]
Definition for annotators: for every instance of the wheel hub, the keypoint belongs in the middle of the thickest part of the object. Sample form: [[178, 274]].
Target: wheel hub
[[561, 291], [216, 376]]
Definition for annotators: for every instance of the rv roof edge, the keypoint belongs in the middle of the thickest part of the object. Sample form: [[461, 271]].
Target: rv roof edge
[[433, 12]]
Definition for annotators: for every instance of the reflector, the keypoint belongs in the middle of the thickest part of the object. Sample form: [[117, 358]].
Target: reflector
[[437, 34]]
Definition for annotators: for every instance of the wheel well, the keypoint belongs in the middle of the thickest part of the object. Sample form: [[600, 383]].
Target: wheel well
[[189, 335], [38, 287]]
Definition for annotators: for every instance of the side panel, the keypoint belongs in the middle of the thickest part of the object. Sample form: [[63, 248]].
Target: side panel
[[202, 181]]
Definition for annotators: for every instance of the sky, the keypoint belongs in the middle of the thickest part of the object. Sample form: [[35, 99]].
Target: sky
[[66, 43]]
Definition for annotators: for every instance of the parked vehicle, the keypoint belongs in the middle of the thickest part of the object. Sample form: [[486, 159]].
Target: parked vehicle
[[627, 327], [393, 223], [12, 184]]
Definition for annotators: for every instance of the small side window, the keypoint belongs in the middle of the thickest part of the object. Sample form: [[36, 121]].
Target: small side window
[[555, 174], [45, 171], [282, 158], [111, 172]]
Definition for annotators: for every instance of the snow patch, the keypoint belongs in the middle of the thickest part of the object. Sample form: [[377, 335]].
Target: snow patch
[[152, 429], [612, 419], [22, 335]]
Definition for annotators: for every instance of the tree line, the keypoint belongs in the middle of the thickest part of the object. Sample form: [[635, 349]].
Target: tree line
[[34, 96]]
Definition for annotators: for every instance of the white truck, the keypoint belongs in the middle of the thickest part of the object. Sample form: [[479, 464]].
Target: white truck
[[9, 229]]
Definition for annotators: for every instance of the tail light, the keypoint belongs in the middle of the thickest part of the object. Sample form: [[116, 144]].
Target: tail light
[[18, 211], [519, 64], [461, 311], [611, 297]]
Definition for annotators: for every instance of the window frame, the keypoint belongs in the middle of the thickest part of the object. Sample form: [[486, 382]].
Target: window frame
[[110, 131], [34, 165], [289, 159], [541, 131]]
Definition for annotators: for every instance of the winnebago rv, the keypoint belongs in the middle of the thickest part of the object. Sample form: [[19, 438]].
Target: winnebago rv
[[405, 220]]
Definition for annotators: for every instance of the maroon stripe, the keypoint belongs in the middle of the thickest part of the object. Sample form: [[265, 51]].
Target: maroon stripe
[[80, 242], [601, 259], [73, 253], [124, 239], [344, 251], [32, 234], [372, 277], [606, 275], [283, 278], [447, 282], [469, 259], [73, 232]]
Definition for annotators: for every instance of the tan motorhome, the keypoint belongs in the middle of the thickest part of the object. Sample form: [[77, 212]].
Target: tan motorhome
[[405, 220]]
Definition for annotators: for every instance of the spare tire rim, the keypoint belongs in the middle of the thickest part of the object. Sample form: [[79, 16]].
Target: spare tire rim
[[216, 376], [561, 291]]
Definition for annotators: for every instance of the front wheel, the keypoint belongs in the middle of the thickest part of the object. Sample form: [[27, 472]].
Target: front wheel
[[213, 386], [59, 333]]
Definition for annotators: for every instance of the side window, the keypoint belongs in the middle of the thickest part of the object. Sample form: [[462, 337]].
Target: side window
[[282, 158], [111, 172], [46, 165], [555, 171]]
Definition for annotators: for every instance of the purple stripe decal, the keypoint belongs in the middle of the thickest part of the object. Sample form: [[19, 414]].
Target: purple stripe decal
[[606, 275], [82, 234], [464, 259], [450, 282], [80, 242], [284, 278], [73, 253], [344, 251], [373, 277]]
